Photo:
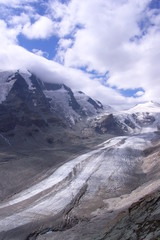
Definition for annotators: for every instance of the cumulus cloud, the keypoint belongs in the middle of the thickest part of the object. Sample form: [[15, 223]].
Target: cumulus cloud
[[65, 43], [41, 29], [40, 52], [7, 35], [139, 94], [21, 19], [100, 29], [15, 3], [121, 37]]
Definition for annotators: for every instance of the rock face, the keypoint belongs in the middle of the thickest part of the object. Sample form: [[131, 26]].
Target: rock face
[[109, 124], [141, 221]]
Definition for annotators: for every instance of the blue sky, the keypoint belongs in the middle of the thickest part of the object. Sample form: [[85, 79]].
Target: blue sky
[[108, 49], [48, 46]]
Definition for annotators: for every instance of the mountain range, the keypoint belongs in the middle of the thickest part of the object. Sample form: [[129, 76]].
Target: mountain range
[[74, 168], [29, 103]]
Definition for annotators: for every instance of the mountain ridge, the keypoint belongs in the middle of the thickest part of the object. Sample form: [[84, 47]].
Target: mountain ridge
[[28, 102], [33, 82]]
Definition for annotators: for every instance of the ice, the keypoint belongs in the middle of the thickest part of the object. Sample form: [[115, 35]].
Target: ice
[[94, 168], [58, 176]]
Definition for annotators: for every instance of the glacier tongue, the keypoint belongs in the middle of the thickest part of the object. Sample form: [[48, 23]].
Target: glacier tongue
[[110, 166]]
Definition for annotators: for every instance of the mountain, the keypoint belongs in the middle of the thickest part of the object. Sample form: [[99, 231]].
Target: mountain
[[144, 117], [37, 94], [36, 112], [32, 108]]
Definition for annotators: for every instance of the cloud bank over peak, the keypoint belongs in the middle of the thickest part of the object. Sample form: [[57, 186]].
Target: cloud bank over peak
[[105, 48], [51, 71]]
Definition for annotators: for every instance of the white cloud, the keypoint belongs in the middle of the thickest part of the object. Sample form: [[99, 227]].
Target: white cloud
[[41, 29], [7, 35], [139, 94], [40, 52], [104, 31], [65, 43], [21, 19], [15, 3], [109, 38]]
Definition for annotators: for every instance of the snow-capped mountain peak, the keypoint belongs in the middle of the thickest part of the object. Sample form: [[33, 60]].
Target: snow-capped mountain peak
[[23, 86], [146, 107]]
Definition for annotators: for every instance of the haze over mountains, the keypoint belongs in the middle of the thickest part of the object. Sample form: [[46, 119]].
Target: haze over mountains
[[73, 168]]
